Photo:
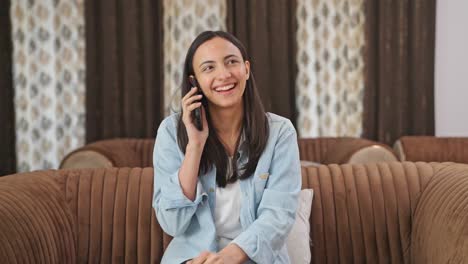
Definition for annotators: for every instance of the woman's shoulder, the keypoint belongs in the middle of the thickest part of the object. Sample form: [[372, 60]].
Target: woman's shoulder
[[279, 123], [168, 125], [170, 122]]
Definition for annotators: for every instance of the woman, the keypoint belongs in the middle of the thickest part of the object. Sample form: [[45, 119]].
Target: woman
[[227, 193]]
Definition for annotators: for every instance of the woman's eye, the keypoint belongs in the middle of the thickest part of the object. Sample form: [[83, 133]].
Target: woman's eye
[[232, 61], [207, 68]]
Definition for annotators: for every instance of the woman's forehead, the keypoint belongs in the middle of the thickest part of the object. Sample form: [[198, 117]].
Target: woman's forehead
[[215, 49]]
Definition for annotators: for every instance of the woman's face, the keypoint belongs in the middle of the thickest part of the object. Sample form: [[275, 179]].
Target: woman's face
[[221, 72]]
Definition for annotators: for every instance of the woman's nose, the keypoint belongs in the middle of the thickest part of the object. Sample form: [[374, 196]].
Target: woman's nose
[[224, 73]]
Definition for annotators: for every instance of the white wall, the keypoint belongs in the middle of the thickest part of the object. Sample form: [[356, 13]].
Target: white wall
[[451, 68]]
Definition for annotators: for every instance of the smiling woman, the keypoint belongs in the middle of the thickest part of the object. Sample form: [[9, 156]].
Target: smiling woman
[[218, 60], [227, 190]]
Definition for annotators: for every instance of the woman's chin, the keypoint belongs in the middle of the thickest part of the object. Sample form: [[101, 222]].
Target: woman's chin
[[227, 104]]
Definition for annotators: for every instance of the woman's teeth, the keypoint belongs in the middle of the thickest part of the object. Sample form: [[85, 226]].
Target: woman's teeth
[[224, 88]]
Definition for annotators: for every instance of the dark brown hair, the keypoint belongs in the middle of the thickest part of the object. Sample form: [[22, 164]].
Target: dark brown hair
[[255, 123]]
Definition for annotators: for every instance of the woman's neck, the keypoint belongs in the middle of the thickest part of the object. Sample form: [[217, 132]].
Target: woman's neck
[[228, 126]]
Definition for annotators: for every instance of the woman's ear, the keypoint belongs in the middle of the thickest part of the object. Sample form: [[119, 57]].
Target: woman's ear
[[247, 68]]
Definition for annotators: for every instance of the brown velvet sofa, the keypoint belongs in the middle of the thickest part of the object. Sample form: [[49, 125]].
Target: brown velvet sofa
[[138, 152], [432, 149], [361, 213]]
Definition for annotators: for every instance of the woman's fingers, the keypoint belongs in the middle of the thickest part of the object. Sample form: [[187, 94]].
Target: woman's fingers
[[189, 103], [191, 107], [213, 259], [201, 258], [189, 94], [192, 99]]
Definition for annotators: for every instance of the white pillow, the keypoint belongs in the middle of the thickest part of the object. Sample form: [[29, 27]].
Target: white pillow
[[307, 163], [298, 241]]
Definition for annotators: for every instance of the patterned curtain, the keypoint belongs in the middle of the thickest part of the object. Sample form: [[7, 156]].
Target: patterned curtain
[[330, 81], [48, 58], [183, 21]]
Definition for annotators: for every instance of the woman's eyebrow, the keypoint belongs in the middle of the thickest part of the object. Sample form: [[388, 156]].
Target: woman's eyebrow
[[230, 56], [205, 62], [225, 58]]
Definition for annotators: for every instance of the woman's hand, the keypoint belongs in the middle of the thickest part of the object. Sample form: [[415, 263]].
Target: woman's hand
[[191, 101], [207, 257]]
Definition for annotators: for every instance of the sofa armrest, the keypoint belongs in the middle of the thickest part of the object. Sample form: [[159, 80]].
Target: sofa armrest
[[440, 225], [35, 226]]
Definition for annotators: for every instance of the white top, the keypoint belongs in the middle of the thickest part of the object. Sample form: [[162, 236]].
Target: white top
[[227, 211]]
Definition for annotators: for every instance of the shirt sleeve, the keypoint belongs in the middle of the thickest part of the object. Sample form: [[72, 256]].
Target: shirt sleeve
[[264, 238], [174, 210]]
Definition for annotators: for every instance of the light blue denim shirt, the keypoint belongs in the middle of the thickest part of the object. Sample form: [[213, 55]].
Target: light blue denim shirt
[[269, 199]]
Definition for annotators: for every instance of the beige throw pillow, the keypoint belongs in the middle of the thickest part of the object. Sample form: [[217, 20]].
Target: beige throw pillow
[[298, 241]]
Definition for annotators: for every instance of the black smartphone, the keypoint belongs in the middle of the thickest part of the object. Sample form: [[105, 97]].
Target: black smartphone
[[196, 113]]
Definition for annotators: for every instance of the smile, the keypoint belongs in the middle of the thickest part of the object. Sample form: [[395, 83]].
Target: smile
[[225, 88]]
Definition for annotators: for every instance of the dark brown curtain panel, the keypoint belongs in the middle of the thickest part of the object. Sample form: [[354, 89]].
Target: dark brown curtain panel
[[124, 75], [7, 114], [399, 59], [268, 30]]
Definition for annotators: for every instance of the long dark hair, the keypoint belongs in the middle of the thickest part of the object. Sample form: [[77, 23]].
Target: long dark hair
[[255, 123]]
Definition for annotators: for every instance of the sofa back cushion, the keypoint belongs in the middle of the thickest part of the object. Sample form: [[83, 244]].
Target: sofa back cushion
[[119, 152], [363, 213], [432, 149], [113, 215], [340, 150]]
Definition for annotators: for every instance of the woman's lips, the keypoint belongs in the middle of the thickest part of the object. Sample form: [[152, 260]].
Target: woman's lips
[[225, 88]]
